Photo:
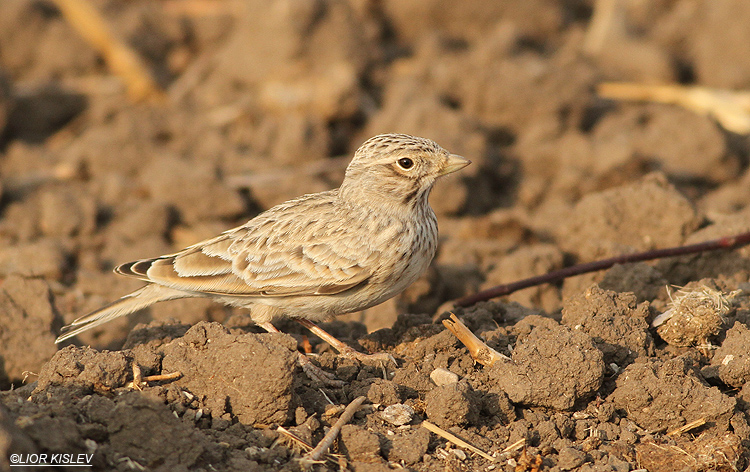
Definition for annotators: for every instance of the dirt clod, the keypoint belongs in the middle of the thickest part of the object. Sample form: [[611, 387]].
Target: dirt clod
[[539, 376], [26, 327], [663, 395], [451, 405], [87, 368], [214, 364], [615, 322], [409, 448], [176, 444], [360, 444], [731, 360]]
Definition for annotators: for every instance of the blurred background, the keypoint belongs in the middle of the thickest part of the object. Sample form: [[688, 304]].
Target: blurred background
[[133, 128]]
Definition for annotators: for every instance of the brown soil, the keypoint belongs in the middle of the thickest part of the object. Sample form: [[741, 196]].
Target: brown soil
[[265, 101]]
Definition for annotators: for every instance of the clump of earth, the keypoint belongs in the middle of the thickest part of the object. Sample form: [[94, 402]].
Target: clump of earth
[[266, 102]]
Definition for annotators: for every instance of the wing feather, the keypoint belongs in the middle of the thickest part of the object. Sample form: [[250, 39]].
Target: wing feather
[[271, 255], [198, 263]]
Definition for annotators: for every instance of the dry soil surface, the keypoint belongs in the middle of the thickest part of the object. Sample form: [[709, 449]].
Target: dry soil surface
[[265, 101]]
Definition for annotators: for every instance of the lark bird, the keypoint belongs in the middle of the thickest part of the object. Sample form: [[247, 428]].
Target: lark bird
[[313, 257]]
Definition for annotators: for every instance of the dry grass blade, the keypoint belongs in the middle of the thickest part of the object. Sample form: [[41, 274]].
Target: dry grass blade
[[730, 108], [685, 428], [121, 59], [516, 445], [479, 351], [304, 445], [294, 438], [455, 440]]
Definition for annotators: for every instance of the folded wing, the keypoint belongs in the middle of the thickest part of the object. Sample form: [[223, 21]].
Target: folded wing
[[268, 258]]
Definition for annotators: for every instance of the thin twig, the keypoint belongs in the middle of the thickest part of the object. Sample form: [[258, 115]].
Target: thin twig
[[161, 377], [139, 381], [730, 242], [326, 442], [456, 440], [479, 351]]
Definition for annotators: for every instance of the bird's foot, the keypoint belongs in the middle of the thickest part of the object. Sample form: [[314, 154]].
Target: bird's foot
[[377, 359], [316, 374], [381, 359]]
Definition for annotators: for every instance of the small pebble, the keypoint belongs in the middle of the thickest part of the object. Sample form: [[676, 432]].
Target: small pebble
[[254, 452], [443, 377], [398, 414]]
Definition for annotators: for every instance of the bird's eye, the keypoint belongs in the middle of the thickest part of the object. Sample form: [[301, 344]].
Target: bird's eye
[[405, 163]]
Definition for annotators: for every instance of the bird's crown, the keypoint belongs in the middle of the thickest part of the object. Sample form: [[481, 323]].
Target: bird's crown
[[391, 143]]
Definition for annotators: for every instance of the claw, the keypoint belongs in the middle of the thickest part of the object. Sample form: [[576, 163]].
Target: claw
[[316, 374]]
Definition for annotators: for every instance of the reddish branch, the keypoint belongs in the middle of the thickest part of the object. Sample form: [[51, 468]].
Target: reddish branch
[[730, 242]]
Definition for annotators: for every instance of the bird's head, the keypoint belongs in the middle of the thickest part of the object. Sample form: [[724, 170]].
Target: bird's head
[[398, 167]]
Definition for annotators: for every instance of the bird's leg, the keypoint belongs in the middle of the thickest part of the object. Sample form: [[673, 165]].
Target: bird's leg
[[314, 372], [344, 349]]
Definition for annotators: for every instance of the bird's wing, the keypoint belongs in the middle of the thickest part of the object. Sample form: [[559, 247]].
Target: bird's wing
[[272, 255]]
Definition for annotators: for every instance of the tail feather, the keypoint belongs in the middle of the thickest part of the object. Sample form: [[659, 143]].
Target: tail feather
[[136, 269], [130, 303]]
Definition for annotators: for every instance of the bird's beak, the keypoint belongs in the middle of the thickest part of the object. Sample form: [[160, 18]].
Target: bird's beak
[[454, 163]]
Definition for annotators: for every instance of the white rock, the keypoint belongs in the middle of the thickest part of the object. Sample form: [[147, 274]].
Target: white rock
[[442, 377], [398, 414]]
